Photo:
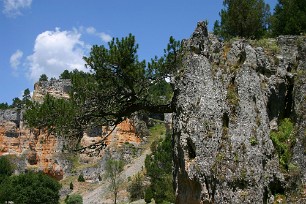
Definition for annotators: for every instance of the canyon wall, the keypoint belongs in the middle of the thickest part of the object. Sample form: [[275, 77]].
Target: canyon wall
[[37, 150]]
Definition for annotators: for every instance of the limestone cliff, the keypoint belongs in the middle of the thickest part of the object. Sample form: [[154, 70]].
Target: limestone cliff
[[39, 151], [230, 96]]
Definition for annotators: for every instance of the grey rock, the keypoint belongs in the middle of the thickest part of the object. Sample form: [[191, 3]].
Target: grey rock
[[225, 110]]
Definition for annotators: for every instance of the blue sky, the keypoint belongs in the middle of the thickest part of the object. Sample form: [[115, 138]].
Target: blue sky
[[43, 36]]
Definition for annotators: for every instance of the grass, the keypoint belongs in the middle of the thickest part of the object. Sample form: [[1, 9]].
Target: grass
[[283, 140], [270, 45], [157, 132], [232, 95]]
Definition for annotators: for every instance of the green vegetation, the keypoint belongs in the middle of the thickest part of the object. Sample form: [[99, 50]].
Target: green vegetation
[[6, 168], [283, 140], [243, 18], [53, 112], [253, 141], [232, 95], [71, 185], [43, 77], [289, 17], [136, 188], [159, 169], [117, 85], [4, 106], [74, 199], [269, 44], [113, 169], [81, 178], [65, 75], [29, 188]]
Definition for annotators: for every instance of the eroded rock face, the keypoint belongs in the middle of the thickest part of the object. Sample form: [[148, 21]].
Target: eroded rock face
[[57, 88], [38, 150], [228, 95]]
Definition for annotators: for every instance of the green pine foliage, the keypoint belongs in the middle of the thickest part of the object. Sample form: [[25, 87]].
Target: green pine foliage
[[30, 188], [81, 178], [53, 112], [289, 17], [136, 187], [6, 167], [43, 77], [4, 106], [243, 18], [159, 169], [117, 85]]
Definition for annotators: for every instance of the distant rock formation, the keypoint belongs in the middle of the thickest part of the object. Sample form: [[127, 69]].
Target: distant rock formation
[[58, 88], [230, 97]]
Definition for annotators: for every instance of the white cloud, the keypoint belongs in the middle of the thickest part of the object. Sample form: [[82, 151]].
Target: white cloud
[[12, 8], [55, 51], [104, 37], [91, 30], [15, 59]]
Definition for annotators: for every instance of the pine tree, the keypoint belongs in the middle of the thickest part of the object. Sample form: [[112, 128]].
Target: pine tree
[[243, 18], [43, 77], [289, 17]]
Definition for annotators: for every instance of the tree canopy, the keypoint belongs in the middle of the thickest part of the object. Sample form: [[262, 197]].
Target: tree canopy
[[243, 18], [289, 17], [117, 85], [43, 77]]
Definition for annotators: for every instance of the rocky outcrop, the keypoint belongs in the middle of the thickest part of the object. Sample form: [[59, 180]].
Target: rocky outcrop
[[230, 96], [38, 150], [58, 88]]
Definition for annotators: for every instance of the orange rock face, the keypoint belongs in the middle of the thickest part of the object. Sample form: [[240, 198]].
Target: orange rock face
[[37, 148], [41, 150]]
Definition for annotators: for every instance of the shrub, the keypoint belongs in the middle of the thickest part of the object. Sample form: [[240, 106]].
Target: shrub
[[74, 199], [35, 188], [6, 168], [253, 141], [283, 140], [148, 195], [136, 188], [81, 178], [71, 185]]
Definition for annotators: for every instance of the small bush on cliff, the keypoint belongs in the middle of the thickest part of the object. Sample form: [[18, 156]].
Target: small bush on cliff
[[283, 140], [81, 178], [71, 186]]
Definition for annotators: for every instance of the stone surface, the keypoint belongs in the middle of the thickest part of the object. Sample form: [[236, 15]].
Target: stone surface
[[58, 88], [229, 95]]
